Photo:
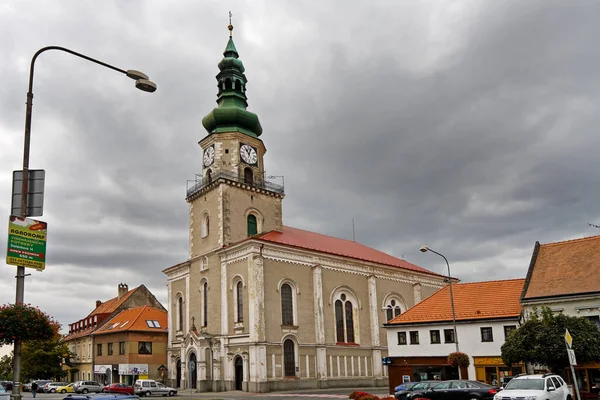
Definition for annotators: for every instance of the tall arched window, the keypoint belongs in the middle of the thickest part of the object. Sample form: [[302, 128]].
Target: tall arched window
[[205, 304], [252, 225], [393, 305], [392, 310], [345, 325], [240, 301], [289, 358], [287, 305], [248, 176], [339, 322], [205, 225], [209, 175], [180, 312]]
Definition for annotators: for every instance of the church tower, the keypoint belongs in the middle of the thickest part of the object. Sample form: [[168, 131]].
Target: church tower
[[232, 199]]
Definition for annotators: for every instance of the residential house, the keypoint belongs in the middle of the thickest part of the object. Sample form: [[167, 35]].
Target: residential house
[[260, 306], [132, 345], [420, 339], [565, 276], [80, 339]]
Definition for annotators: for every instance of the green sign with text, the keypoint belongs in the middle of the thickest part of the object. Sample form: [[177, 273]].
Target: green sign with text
[[26, 243]]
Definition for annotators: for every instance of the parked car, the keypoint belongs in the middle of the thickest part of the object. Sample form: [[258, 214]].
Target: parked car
[[4, 395], [50, 387], [40, 383], [100, 397], [457, 390], [536, 387], [149, 387], [418, 386], [88, 386], [118, 388], [404, 386], [70, 388]]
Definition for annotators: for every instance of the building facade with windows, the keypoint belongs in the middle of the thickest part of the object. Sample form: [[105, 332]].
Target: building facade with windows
[[420, 339], [131, 345], [261, 306], [80, 337], [565, 276]]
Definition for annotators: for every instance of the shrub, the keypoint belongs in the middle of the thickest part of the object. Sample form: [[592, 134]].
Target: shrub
[[24, 322]]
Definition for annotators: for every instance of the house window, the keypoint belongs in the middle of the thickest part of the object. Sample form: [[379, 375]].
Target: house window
[[401, 338], [99, 349], [239, 302], [287, 305], [109, 349], [205, 303], [392, 310], [144, 347], [121, 348], [414, 337], [344, 320], [205, 225], [449, 336], [435, 337], [486, 334], [508, 329], [252, 225], [595, 319], [289, 358], [180, 313]]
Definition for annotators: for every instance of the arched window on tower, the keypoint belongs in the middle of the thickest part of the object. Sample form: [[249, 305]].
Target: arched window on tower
[[180, 313], [208, 176], [238, 85], [252, 225], [239, 301], [228, 84], [205, 225], [205, 304], [248, 176]]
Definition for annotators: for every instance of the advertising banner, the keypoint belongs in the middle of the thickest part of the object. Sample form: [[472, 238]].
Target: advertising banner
[[26, 243], [133, 369]]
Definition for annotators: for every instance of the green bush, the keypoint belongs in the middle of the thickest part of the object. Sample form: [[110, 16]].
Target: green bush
[[24, 322]]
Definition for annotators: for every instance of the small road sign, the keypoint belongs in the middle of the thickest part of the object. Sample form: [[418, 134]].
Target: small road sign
[[572, 359], [568, 338]]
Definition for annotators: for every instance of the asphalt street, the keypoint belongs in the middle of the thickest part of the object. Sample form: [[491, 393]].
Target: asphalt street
[[288, 395]]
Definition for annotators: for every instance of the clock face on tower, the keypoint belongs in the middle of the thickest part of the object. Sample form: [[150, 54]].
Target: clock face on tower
[[248, 154], [209, 156]]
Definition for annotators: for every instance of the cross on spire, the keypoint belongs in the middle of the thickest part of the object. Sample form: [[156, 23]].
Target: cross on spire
[[230, 27]]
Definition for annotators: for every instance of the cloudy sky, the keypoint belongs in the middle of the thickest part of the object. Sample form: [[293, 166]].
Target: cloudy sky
[[471, 126]]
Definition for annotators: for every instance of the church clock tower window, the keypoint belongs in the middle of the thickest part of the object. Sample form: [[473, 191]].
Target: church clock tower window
[[252, 225]]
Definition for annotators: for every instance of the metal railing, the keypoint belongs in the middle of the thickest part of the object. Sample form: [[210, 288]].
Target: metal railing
[[200, 182]]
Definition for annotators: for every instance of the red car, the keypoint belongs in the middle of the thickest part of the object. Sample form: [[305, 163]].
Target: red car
[[118, 388]]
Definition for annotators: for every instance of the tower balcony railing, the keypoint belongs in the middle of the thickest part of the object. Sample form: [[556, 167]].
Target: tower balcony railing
[[195, 186]]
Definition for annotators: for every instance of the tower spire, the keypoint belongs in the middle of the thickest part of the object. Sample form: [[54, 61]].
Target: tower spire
[[231, 114]]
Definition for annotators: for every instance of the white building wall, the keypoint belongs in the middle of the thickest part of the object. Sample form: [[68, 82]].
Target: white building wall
[[576, 307], [469, 337]]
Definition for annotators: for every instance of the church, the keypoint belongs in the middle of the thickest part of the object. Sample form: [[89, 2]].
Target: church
[[259, 306]]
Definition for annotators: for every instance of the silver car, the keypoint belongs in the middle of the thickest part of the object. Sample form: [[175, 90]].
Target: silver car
[[4, 395], [89, 387]]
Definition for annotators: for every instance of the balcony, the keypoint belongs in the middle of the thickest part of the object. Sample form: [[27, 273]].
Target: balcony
[[258, 183]]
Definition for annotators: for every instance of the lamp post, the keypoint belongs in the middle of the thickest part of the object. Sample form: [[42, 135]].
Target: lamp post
[[425, 249], [142, 83]]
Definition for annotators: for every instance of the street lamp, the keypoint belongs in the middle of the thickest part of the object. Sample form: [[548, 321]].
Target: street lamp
[[424, 249], [141, 82]]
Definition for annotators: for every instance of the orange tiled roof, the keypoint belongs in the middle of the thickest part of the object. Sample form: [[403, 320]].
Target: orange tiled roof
[[135, 319], [564, 268], [477, 300], [341, 247]]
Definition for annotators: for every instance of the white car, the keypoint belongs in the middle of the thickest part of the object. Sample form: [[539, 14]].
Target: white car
[[535, 387]]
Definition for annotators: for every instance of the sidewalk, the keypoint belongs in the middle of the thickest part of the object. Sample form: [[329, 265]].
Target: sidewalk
[[340, 393]]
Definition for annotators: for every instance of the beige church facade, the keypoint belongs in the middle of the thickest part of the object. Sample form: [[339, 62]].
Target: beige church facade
[[260, 306]]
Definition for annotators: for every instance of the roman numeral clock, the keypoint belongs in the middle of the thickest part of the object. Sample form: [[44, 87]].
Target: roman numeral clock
[[248, 154]]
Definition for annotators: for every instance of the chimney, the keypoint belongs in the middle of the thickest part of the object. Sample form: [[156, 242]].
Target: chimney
[[123, 289], [98, 302]]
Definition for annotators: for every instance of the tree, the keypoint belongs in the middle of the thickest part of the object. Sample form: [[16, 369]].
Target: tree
[[458, 359], [43, 359], [6, 371], [541, 341], [24, 322]]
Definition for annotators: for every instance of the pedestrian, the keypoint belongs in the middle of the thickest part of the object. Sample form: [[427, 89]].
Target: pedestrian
[[34, 388]]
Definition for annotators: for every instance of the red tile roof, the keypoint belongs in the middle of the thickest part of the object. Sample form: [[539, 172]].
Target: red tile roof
[[327, 244], [476, 300], [136, 319], [564, 268]]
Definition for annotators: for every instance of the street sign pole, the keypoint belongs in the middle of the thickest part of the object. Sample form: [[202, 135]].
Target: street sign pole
[[568, 342]]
